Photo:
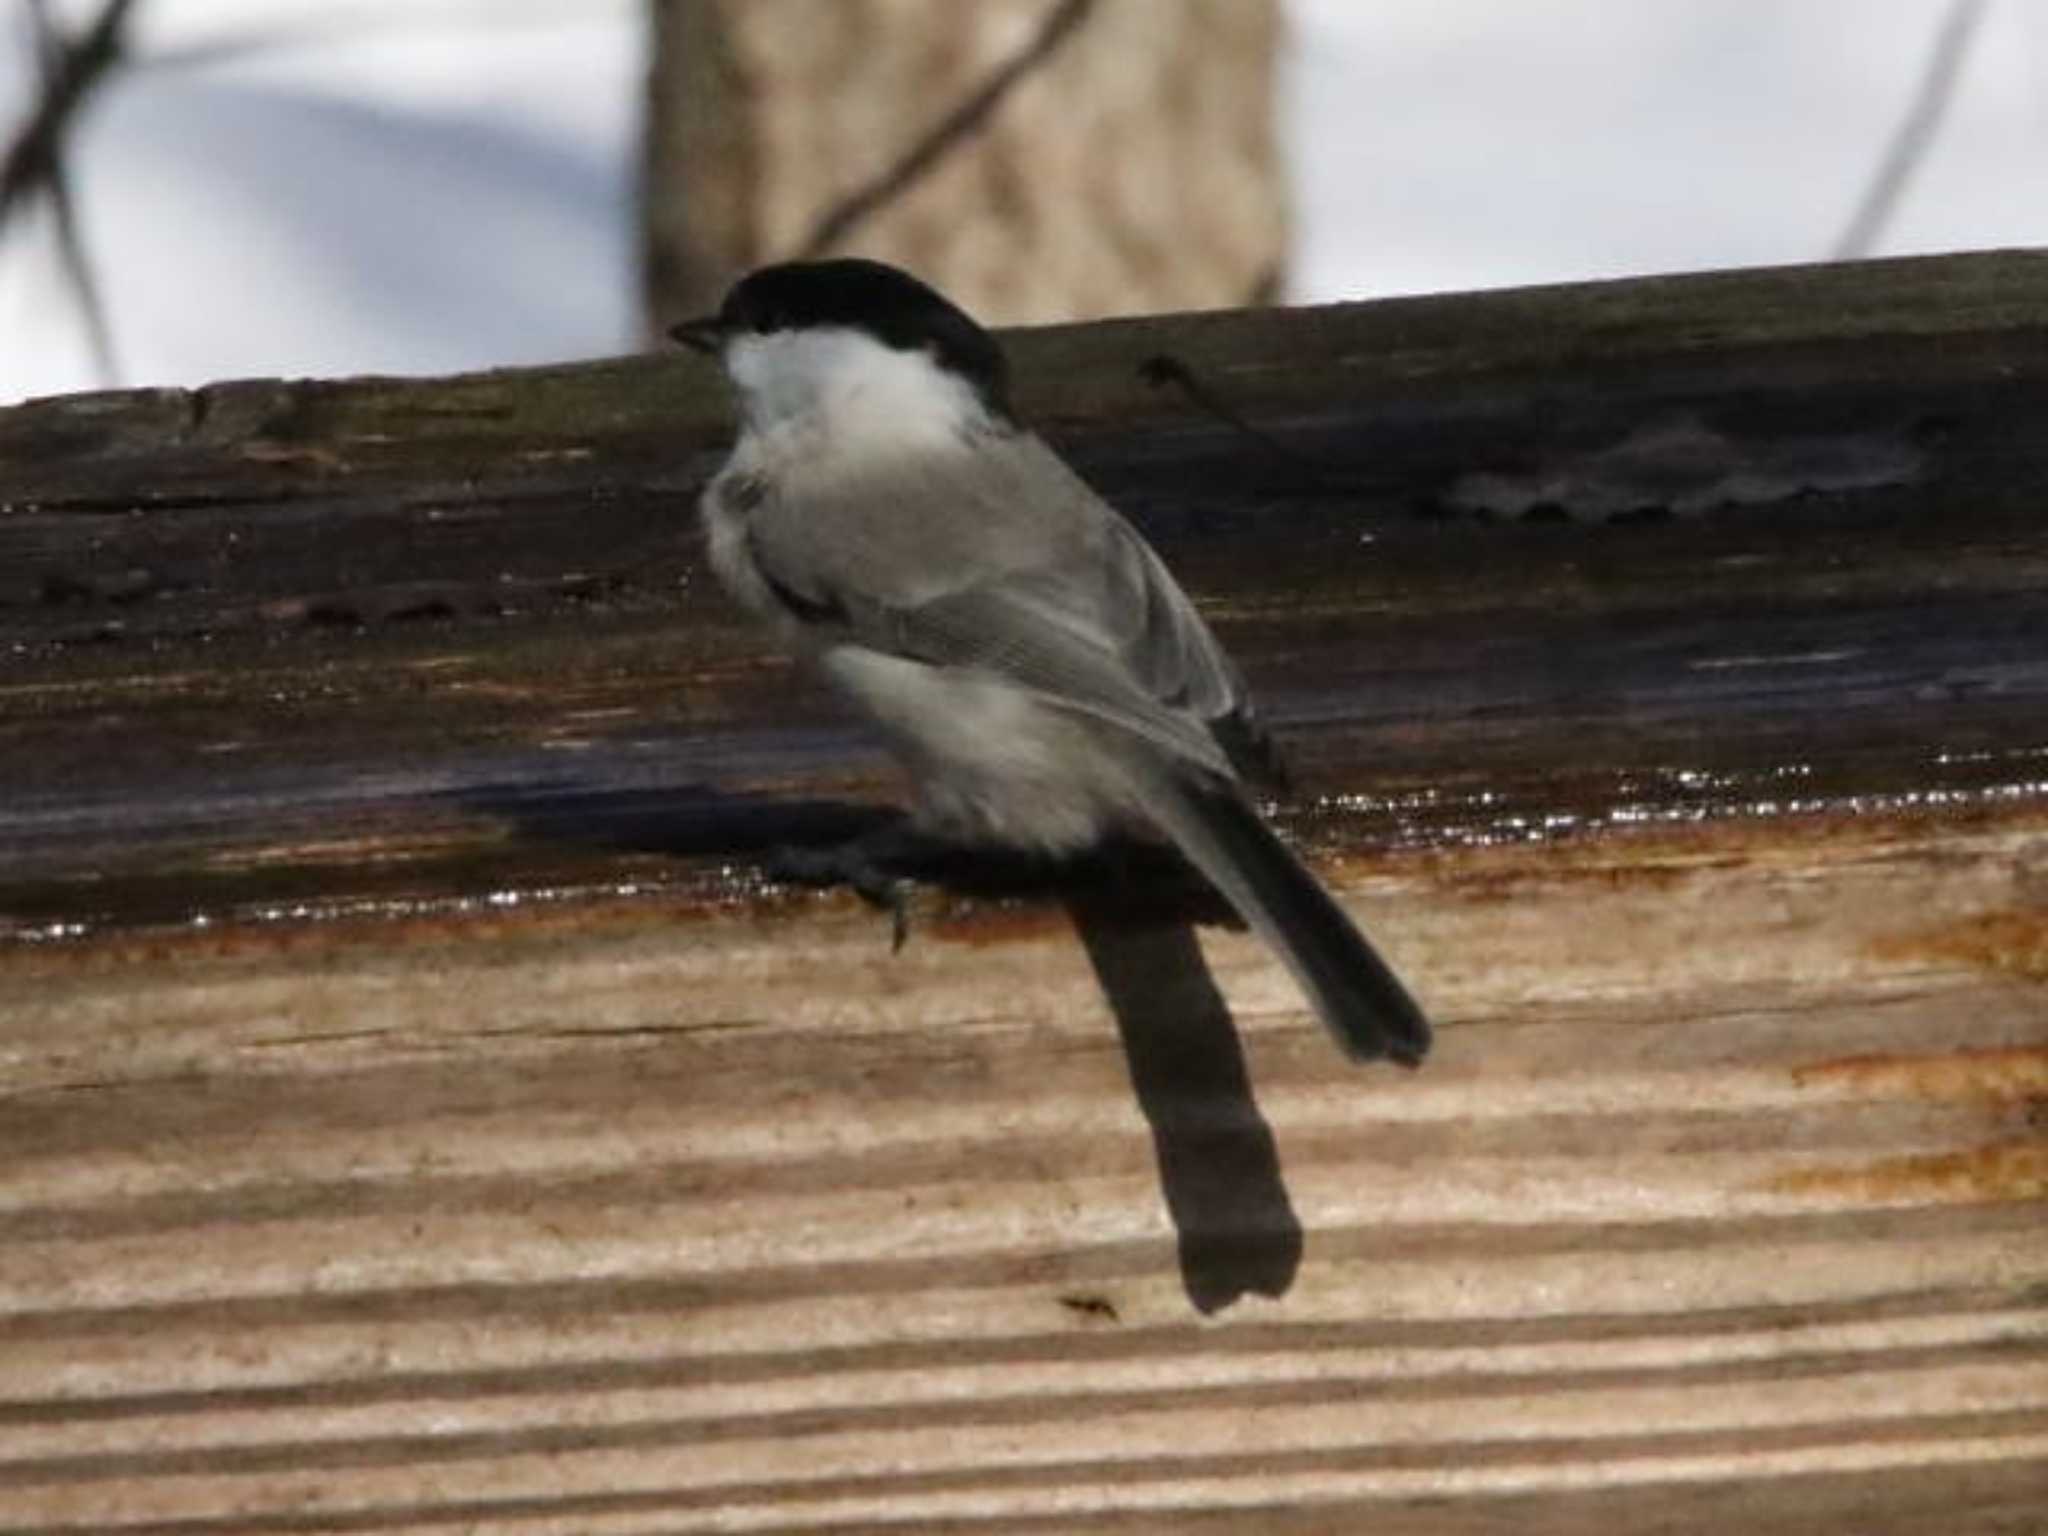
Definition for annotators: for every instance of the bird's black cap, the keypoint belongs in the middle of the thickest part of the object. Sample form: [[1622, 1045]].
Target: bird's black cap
[[869, 296]]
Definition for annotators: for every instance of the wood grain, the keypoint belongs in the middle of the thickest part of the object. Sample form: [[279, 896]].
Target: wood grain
[[417, 1113]]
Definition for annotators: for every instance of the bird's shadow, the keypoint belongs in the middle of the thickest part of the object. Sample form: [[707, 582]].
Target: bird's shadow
[[1135, 908], [1219, 1167]]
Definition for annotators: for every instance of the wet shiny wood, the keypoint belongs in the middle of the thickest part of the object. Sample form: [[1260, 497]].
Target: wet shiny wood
[[416, 1113]]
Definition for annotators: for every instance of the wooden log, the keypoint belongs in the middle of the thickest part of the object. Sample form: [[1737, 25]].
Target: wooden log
[[417, 1112]]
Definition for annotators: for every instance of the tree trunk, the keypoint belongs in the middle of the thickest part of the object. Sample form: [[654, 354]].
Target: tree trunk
[[1134, 169]]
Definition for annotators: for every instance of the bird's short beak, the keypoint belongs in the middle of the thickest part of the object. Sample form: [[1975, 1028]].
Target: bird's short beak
[[704, 334]]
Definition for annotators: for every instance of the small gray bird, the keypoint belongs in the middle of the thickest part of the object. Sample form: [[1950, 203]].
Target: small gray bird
[[1029, 659]]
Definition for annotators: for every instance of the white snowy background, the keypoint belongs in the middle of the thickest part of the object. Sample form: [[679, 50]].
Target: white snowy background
[[324, 187]]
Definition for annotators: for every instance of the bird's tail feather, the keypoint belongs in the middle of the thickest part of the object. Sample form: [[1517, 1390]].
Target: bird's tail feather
[[1354, 991]]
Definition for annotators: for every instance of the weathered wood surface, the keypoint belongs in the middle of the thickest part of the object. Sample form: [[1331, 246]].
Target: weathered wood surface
[[417, 1114]]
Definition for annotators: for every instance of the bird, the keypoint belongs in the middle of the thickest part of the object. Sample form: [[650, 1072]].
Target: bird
[[1023, 651]]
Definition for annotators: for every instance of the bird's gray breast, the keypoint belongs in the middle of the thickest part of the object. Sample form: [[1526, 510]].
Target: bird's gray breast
[[728, 505]]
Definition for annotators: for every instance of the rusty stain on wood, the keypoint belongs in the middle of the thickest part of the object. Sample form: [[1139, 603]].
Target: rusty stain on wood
[[2013, 943], [2000, 1170], [2007, 1075], [418, 1112], [990, 923]]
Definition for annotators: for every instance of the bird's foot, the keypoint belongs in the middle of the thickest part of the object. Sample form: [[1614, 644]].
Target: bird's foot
[[875, 866]]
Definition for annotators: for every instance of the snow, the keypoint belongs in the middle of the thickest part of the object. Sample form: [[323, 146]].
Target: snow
[[339, 193], [1471, 145], [326, 187]]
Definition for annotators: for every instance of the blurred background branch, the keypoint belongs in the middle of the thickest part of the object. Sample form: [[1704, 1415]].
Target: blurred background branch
[[70, 69], [847, 215], [1907, 151]]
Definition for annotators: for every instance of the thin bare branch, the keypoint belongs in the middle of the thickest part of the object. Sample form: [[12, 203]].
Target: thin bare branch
[[1060, 23], [80, 274], [1915, 134], [72, 70], [35, 160]]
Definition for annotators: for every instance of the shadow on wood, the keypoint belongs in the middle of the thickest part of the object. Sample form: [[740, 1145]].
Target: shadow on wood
[[1218, 1166]]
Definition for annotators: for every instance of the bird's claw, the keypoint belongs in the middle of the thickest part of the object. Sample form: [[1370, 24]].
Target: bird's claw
[[869, 872]]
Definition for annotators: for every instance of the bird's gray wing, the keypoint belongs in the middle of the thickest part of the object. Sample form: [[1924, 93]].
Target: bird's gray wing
[[1002, 559]]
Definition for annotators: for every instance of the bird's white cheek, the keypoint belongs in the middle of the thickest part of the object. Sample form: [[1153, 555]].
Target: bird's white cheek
[[772, 381], [839, 388]]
